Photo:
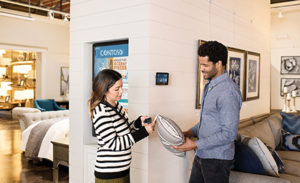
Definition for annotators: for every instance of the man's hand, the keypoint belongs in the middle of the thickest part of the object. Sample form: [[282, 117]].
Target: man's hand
[[188, 133], [187, 146]]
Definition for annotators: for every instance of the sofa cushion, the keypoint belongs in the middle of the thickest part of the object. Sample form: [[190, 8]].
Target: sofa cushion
[[241, 177], [260, 130], [289, 155], [290, 141], [291, 178], [245, 160], [291, 122], [292, 167], [275, 122], [170, 134], [264, 155]]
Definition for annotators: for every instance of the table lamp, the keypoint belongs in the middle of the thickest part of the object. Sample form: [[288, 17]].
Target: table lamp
[[21, 95]]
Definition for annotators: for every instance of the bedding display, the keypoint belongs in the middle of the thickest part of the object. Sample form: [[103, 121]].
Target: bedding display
[[37, 137]]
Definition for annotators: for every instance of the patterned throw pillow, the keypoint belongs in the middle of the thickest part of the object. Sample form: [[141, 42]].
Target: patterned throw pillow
[[170, 134], [290, 123], [290, 141]]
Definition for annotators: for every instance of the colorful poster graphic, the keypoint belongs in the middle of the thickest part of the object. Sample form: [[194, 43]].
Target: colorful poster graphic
[[113, 57]]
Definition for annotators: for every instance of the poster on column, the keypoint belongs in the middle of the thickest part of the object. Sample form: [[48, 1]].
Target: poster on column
[[113, 55]]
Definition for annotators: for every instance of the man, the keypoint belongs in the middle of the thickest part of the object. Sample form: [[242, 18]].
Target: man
[[220, 113]]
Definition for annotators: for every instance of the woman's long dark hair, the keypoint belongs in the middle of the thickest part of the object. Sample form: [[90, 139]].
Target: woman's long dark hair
[[104, 80]]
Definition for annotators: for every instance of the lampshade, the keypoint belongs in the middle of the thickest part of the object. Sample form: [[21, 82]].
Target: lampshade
[[5, 61], [2, 71], [23, 69], [29, 94], [19, 95], [5, 85], [24, 94], [2, 52], [3, 92]]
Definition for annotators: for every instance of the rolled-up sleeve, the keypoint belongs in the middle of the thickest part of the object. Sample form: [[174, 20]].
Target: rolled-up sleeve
[[195, 129]]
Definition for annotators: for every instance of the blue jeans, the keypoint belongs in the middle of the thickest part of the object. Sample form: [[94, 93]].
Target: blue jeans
[[210, 171]]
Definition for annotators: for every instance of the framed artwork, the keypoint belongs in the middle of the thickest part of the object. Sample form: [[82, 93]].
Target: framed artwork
[[22, 82], [64, 81], [290, 65], [200, 80], [252, 75], [7, 98], [236, 68], [292, 84]]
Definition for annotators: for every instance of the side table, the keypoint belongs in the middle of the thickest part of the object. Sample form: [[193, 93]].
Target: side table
[[64, 104], [60, 155]]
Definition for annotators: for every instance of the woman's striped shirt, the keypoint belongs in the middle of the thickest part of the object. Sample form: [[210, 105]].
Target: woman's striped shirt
[[115, 137]]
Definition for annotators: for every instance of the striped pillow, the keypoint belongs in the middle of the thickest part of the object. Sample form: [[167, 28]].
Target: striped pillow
[[170, 134]]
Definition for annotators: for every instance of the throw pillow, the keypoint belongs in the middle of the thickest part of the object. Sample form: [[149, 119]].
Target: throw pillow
[[170, 134], [264, 156], [277, 159], [290, 141], [290, 123], [245, 160]]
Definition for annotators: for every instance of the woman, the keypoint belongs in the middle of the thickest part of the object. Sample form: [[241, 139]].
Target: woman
[[114, 132]]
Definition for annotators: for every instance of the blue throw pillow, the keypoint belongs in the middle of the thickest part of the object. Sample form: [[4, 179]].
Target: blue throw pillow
[[290, 141], [245, 160], [290, 123]]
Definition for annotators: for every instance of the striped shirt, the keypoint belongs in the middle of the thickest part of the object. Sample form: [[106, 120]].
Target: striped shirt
[[115, 136]]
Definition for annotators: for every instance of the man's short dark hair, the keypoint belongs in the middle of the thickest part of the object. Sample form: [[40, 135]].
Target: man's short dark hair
[[215, 51]]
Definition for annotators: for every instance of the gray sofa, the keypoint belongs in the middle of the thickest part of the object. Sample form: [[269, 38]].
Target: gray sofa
[[268, 129]]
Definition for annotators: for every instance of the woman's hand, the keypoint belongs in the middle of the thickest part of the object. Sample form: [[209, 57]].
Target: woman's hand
[[143, 119], [149, 127]]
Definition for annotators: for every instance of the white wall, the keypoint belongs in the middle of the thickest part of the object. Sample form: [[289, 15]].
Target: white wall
[[98, 21], [175, 27], [50, 37], [162, 37], [285, 41]]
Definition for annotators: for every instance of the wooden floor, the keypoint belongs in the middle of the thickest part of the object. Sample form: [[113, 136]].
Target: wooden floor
[[14, 167]]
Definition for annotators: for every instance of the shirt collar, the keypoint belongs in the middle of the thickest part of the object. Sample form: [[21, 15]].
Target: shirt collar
[[219, 79]]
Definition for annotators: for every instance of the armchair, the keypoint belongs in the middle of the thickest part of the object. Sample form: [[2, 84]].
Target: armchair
[[47, 105]]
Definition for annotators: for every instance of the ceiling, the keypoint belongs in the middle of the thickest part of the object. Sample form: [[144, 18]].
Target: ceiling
[[56, 5], [280, 1]]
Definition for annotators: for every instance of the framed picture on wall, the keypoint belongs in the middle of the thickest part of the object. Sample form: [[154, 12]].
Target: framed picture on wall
[[290, 65], [200, 80], [292, 84], [252, 75], [7, 98], [64, 81], [236, 68]]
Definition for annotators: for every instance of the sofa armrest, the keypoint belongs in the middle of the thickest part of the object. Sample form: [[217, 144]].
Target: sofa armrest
[[242, 177], [36, 105]]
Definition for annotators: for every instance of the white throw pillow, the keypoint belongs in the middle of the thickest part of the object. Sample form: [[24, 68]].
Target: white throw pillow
[[170, 134], [264, 156]]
